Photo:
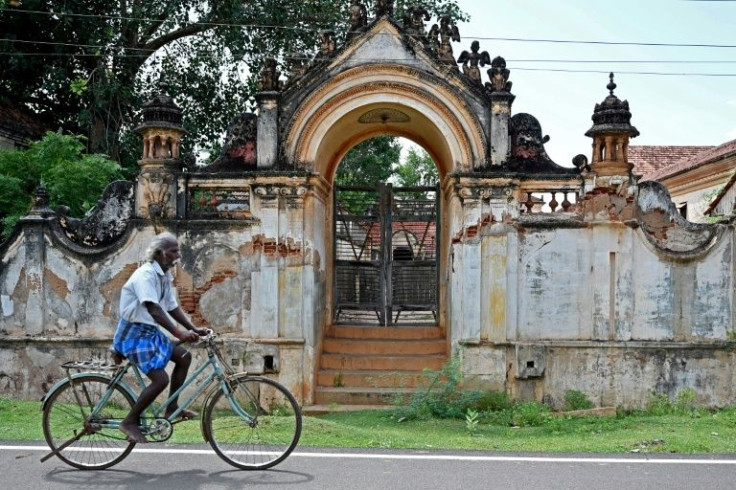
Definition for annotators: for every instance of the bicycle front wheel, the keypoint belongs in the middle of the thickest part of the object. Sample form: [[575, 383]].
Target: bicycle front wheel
[[101, 445], [265, 434]]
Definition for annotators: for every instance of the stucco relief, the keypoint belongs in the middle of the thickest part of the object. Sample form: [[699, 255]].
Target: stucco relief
[[418, 85], [157, 191], [666, 229]]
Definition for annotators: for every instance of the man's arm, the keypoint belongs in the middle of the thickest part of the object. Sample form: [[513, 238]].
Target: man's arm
[[163, 319], [179, 315]]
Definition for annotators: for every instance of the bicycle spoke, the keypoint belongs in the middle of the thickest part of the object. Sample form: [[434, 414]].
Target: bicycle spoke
[[63, 419], [265, 438]]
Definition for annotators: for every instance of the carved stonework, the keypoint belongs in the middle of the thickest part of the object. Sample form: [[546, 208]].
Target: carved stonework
[[156, 190], [297, 65], [104, 223], [384, 7], [502, 193], [665, 228], [358, 18], [472, 59], [499, 76], [273, 191], [527, 152], [269, 77], [239, 153], [328, 44], [414, 18], [384, 116], [443, 36]]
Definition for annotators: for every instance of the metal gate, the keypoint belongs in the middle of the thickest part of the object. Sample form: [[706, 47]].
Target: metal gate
[[385, 244]]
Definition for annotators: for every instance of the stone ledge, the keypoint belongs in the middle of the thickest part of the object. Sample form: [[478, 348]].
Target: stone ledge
[[606, 344], [591, 412]]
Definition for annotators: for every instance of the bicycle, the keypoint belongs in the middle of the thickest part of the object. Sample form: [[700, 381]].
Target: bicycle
[[251, 422]]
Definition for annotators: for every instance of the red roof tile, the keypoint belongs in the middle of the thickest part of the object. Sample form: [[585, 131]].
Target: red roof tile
[[650, 159], [708, 155]]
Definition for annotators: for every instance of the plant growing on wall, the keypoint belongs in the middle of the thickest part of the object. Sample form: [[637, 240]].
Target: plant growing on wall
[[70, 176]]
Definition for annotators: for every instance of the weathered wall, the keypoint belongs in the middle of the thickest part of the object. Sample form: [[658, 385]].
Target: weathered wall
[[617, 309], [258, 282]]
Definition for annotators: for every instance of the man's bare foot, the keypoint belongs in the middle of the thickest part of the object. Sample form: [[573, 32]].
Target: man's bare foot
[[184, 414], [133, 432]]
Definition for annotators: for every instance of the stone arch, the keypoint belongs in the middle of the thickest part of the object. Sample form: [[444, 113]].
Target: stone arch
[[346, 110]]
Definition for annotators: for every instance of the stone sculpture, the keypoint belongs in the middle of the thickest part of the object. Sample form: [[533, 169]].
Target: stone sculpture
[[384, 7], [358, 18], [269, 80], [447, 32], [499, 76], [471, 59]]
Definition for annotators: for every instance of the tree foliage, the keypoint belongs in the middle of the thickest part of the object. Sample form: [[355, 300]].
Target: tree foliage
[[90, 64], [378, 160], [71, 177], [418, 170], [370, 162]]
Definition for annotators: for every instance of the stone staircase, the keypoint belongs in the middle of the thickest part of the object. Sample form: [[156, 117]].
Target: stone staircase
[[372, 367]]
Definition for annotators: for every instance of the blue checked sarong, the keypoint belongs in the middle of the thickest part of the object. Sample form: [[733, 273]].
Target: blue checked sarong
[[144, 345]]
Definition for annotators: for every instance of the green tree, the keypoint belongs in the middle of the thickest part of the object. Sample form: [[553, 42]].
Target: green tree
[[370, 162], [70, 176], [418, 170], [89, 64]]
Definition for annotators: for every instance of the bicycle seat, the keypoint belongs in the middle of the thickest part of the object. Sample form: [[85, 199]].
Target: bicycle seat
[[117, 357]]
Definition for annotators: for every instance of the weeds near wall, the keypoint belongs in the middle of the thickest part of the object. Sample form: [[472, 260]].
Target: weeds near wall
[[577, 400], [685, 403]]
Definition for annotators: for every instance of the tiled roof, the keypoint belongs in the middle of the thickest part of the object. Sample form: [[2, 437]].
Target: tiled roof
[[648, 160], [708, 155]]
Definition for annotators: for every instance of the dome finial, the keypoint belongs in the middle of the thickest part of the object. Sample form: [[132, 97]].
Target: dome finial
[[611, 86]]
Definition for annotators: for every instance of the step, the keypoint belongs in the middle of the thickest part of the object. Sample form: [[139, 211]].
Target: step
[[337, 408], [371, 379], [362, 396], [343, 362], [384, 347], [397, 333]]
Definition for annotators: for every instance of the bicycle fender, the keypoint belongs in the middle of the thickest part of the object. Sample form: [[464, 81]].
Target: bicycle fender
[[123, 386]]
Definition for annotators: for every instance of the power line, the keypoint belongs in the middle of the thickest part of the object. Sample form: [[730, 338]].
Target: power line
[[481, 38], [511, 67]]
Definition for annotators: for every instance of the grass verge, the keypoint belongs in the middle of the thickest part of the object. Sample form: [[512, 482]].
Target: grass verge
[[654, 431]]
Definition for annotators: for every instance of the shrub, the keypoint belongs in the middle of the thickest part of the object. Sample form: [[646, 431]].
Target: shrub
[[577, 400], [530, 414]]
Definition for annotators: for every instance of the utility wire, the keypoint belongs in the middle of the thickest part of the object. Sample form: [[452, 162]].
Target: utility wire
[[260, 26]]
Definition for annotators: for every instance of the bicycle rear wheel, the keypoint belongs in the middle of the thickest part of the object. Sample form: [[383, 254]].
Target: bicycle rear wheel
[[264, 438], [63, 419]]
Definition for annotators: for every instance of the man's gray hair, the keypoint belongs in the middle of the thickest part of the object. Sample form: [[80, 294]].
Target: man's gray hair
[[158, 244]]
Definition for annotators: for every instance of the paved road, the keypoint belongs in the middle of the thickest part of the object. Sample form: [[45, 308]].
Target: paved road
[[176, 468]]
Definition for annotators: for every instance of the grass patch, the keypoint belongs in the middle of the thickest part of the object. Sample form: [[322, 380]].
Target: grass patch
[[676, 428]]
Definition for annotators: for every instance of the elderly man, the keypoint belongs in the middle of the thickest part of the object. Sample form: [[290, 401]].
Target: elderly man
[[146, 302]]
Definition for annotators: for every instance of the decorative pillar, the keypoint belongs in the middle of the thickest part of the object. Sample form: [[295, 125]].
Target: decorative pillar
[[499, 89], [268, 115], [611, 131], [268, 129], [162, 130], [35, 262]]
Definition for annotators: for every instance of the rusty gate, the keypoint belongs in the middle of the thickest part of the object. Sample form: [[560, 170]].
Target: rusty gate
[[385, 243]]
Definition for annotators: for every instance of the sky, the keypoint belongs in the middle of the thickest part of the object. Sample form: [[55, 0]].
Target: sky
[[681, 109]]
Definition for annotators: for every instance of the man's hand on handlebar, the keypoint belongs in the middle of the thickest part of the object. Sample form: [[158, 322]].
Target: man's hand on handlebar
[[187, 335]]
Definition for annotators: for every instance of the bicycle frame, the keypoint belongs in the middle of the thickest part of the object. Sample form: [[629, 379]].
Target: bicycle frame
[[152, 412]]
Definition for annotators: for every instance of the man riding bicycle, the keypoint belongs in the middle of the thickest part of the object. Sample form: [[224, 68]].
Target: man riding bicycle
[[148, 300]]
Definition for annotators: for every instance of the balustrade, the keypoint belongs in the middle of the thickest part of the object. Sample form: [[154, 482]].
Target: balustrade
[[552, 201]]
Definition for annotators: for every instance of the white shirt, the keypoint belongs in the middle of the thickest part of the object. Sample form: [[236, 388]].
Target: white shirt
[[148, 283]]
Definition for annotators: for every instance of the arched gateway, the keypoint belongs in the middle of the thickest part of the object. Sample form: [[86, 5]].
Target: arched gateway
[[546, 278]]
